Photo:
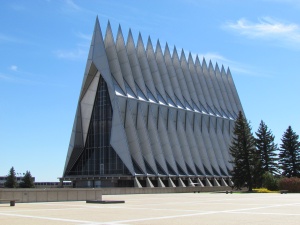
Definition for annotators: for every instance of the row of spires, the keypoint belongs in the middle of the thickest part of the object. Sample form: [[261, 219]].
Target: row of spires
[[159, 55], [167, 49]]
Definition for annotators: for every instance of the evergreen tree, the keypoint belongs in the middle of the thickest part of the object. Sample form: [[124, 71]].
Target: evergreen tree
[[290, 154], [11, 179], [245, 157], [266, 149], [27, 181]]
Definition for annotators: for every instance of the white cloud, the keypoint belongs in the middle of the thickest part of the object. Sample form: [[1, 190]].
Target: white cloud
[[18, 7], [77, 54], [5, 77], [13, 68], [216, 57], [15, 79], [268, 29], [72, 5], [235, 67], [291, 2], [37, 80], [80, 52], [69, 6], [5, 38], [86, 37]]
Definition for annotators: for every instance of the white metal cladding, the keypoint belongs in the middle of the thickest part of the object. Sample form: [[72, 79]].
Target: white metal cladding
[[170, 113]]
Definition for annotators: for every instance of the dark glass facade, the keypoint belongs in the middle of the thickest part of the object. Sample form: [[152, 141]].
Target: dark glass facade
[[98, 157]]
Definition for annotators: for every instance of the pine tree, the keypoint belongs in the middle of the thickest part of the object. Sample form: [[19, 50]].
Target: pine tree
[[245, 157], [11, 179], [27, 181], [266, 149], [290, 154]]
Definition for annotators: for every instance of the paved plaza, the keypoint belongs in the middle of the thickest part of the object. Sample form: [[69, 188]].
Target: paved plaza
[[187, 208]]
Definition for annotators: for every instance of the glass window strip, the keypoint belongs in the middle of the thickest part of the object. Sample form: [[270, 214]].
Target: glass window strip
[[130, 93], [141, 95], [151, 96], [179, 104], [118, 89], [170, 101], [160, 98]]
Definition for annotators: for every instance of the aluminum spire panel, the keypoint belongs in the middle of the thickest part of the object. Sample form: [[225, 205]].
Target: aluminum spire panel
[[204, 86], [234, 91], [132, 137], [164, 73], [134, 64], [155, 71], [223, 92], [210, 87], [196, 82], [124, 61], [229, 92], [112, 58], [144, 140], [172, 75], [184, 145], [191, 140], [188, 78], [216, 88], [181, 78], [146, 72]]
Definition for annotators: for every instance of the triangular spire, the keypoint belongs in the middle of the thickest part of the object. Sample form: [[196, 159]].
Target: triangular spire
[[175, 54], [210, 66], [197, 61], [190, 59], [217, 67], [204, 64], [167, 50], [130, 41], [109, 38], [228, 71], [182, 56], [223, 70], [120, 34], [158, 52]]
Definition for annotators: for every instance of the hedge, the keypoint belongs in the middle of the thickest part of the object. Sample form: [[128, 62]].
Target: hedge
[[291, 184]]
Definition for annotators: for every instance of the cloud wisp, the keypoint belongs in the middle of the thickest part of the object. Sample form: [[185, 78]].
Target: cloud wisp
[[26, 78], [295, 3], [69, 6], [13, 78], [286, 34], [6, 38], [235, 67], [13, 68], [76, 54], [80, 52], [14, 74]]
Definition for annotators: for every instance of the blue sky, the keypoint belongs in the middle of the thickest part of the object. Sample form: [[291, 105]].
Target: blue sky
[[44, 46]]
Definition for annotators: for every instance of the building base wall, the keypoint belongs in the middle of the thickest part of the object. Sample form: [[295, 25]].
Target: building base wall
[[83, 194]]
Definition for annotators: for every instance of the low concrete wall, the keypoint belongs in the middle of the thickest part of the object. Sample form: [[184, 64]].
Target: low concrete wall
[[157, 190], [51, 195], [83, 194]]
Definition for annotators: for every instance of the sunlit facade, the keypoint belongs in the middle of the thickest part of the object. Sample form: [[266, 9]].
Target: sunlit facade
[[150, 118]]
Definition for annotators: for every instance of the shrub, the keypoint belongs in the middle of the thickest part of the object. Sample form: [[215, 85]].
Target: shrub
[[291, 184], [270, 182], [263, 190]]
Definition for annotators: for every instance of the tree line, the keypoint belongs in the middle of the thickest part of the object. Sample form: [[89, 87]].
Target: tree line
[[11, 180], [258, 160]]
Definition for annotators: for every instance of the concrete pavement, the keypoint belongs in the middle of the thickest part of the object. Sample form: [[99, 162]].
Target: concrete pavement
[[186, 208]]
